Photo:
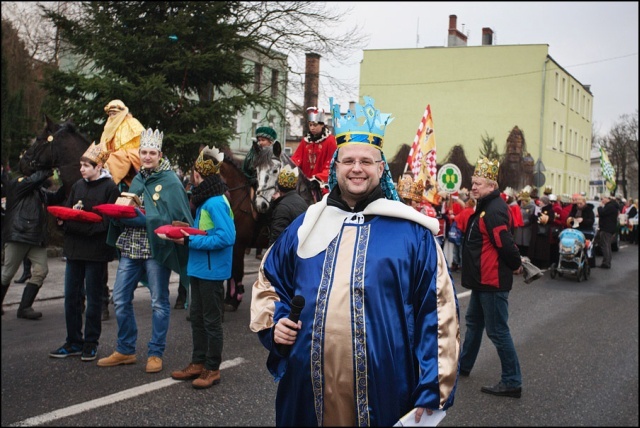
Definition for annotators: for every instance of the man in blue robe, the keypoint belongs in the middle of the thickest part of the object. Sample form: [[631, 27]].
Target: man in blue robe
[[379, 333]]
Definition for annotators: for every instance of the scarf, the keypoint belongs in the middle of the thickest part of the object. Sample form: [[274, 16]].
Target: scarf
[[210, 186]]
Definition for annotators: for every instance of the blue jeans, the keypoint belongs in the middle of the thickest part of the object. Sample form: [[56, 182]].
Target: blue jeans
[[206, 310], [129, 273], [490, 310], [77, 273]]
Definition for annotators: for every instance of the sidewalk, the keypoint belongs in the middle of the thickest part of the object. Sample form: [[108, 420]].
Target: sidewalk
[[53, 287]]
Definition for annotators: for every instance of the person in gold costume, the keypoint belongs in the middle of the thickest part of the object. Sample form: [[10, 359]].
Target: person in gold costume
[[121, 136]]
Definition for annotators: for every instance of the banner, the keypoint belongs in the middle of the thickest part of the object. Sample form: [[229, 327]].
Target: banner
[[607, 171], [422, 157]]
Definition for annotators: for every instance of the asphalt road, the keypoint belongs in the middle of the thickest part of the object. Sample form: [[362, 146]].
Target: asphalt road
[[577, 344]]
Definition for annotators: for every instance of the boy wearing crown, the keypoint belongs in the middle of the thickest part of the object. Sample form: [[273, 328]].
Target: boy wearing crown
[[315, 151], [164, 200], [287, 204], [87, 256], [378, 334], [210, 258], [489, 259]]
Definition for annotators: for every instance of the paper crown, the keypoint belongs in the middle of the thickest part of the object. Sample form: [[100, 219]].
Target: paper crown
[[150, 139], [267, 132], [404, 187], [486, 168], [209, 166], [353, 129], [315, 114], [547, 190], [525, 193], [114, 105], [409, 189], [96, 153], [288, 177], [417, 191]]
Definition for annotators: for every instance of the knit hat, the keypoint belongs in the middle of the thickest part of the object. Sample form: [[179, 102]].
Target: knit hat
[[267, 132]]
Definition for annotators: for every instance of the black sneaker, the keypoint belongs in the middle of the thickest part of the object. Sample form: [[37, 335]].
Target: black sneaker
[[89, 352], [65, 351]]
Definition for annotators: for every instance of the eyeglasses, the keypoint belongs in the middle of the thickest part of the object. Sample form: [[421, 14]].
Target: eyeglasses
[[365, 163]]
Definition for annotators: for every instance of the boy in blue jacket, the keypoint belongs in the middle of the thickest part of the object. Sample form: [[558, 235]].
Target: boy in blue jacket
[[209, 265]]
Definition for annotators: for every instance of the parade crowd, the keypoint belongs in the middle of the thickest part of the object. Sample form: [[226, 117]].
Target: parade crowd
[[378, 330]]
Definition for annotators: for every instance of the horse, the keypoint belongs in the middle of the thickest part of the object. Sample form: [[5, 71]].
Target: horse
[[60, 146]]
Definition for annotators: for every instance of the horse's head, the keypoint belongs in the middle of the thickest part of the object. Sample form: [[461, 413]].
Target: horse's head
[[39, 155], [267, 163]]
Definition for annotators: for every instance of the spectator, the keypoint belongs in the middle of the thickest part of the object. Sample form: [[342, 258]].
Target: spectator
[[462, 221], [540, 244], [164, 200], [24, 233], [527, 210], [210, 258], [489, 258], [288, 203], [582, 217], [607, 227], [378, 299], [87, 256]]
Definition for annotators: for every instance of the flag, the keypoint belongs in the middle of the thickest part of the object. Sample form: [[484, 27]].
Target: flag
[[422, 157], [607, 171]]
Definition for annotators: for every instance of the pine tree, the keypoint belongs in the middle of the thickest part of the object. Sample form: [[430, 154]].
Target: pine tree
[[166, 61], [489, 149]]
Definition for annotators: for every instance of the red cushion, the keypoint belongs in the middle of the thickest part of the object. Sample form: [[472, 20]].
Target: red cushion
[[116, 211], [66, 213], [173, 232]]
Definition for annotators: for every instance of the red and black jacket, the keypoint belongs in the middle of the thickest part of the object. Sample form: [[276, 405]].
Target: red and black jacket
[[489, 253]]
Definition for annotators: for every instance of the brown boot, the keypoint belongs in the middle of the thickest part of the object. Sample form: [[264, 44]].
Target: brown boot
[[207, 379], [191, 372]]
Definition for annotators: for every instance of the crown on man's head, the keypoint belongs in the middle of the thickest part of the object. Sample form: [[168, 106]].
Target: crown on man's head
[[417, 191], [404, 187], [547, 190], [209, 166], [150, 139], [288, 177], [315, 114], [97, 153], [486, 168], [352, 129]]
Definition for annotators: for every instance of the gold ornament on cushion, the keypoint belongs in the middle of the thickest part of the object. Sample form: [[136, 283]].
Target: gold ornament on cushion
[[97, 153], [417, 191], [150, 139], [404, 187], [288, 177], [486, 168], [210, 166]]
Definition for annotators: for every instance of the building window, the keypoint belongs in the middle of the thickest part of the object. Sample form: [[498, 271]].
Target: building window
[[560, 138], [571, 99], [563, 95], [274, 83], [584, 105], [555, 135], [557, 86], [257, 78]]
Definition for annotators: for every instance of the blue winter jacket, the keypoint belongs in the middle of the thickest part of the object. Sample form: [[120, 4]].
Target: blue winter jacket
[[210, 255]]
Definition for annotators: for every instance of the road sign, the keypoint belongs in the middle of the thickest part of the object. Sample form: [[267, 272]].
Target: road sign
[[538, 179]]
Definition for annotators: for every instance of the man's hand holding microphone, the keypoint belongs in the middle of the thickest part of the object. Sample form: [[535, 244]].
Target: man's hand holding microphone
[[286, 330]]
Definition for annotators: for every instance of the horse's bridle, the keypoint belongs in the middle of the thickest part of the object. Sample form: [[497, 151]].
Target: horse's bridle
[[33, 163]]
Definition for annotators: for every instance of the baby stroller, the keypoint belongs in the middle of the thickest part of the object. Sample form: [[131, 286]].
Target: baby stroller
[[574, 251]]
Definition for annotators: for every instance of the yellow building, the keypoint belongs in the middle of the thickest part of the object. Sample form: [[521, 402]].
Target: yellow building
[[478, 91]]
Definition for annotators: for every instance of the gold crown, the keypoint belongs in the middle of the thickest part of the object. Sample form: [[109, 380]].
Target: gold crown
[[150, 139], [548, 190], [97, 153], [210, 166], [417, 191], [404, 187], [486, 168], [288, 177]]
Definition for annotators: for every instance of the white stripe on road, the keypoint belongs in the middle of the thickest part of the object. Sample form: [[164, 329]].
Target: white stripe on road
[[110, 399]]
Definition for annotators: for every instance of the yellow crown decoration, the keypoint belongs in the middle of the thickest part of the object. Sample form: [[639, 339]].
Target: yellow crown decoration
[[404, 187], [486, 168], [114, 105], [547, 190], [150, 139], [97, 153], [209, 166], [525, 194], [288, 177], [417, 191]]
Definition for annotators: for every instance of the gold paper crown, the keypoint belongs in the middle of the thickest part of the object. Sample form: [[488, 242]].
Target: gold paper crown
[[486, 168], [547, 190], [404, 187], [288, 177], [115, 105], [210, 166], [150, 139], [525, 193], [417, 191], [97, 153]]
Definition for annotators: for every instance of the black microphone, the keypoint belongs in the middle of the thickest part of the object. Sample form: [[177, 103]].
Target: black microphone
[[297, 303]]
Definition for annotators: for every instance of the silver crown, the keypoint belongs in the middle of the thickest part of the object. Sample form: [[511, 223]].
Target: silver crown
[[150, 139]]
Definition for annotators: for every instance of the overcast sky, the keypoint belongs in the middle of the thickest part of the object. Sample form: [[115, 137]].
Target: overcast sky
[[597, 42]]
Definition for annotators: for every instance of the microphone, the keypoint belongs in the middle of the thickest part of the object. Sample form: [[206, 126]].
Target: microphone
[[297, 303]]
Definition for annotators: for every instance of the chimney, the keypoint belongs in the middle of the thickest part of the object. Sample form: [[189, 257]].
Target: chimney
[[456, 38], [311, 80], [487, 36]]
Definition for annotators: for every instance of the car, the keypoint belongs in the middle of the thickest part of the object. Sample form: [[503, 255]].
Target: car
[[615, 242]]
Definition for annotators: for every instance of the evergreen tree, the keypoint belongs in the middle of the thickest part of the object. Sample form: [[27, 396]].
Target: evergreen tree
[[489, 149], [166, 61]]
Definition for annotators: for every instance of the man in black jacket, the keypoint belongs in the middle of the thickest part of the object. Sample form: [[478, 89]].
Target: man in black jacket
[[288, 203], [489, 258], [24, 233], [607, 227]]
